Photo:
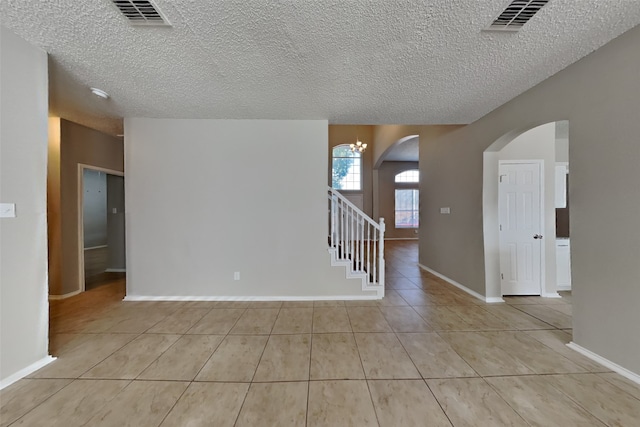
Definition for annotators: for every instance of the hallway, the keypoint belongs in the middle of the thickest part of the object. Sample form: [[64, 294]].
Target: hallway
[[427, 354]]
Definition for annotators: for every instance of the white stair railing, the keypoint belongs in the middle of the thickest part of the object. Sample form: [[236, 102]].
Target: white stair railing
[[357, 241]]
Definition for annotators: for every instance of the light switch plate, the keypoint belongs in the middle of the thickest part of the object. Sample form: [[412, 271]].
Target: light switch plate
[[7, 210], [445, 210]]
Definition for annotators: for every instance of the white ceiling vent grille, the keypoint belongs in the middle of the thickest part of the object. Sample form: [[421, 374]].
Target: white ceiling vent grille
[[141, 12], [518, 13]]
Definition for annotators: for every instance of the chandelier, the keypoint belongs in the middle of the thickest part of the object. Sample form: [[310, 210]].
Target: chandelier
[[358, 146]]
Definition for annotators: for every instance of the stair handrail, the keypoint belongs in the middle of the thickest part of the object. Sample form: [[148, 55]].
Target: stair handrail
[[371, 221], [363, 251]]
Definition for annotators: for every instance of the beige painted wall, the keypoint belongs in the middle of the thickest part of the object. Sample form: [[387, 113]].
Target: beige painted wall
[[385, 136], [386, 187], [79, 144], [599, 97], [348, 134], [381, 139], [54, 220], [24, 310]]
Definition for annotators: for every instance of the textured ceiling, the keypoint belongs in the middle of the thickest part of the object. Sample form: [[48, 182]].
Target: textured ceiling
[[348, 61]]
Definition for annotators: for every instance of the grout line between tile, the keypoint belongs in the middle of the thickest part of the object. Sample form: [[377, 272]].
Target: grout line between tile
[[366, 380]]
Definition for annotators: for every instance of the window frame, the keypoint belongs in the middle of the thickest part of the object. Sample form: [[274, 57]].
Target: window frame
[[395, 178], [396, 210], [410, 186], [359, 156]]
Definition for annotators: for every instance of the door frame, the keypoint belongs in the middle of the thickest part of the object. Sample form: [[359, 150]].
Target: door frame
[[540, 164], [80, 200]]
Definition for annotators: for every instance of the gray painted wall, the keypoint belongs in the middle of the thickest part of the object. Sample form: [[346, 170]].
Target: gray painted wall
[[207, 198], [24, 310], [599, 97]]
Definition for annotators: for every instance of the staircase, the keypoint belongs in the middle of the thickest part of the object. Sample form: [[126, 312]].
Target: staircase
[[356, 242]]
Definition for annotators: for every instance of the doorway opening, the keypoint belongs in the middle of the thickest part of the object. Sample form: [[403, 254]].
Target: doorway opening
[[101, 232], [396, 179], [521, 251]]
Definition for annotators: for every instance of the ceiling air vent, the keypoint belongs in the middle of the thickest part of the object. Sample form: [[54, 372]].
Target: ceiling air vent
[[518, 13], [141, 12]]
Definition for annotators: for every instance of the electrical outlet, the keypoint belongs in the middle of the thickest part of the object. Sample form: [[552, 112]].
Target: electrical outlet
[[236, 275], [7, 210]]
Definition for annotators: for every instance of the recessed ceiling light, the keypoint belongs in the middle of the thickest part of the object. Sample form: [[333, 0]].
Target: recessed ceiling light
[[99, 92]]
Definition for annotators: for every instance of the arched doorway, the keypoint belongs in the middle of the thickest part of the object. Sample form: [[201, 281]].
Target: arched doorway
[[544, 145], [401, 156]]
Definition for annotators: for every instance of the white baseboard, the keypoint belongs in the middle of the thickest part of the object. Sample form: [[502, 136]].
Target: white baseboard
[[26, 371], [115, 270], [551, 295], [252, 298], [605, 362], [63, 296], [461, 286], [563, 288]]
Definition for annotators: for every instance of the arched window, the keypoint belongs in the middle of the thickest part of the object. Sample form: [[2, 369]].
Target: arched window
[[412, 175], [346, 170], [407, 199]]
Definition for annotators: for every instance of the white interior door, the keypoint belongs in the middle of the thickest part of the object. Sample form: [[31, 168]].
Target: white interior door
[[520, 216]]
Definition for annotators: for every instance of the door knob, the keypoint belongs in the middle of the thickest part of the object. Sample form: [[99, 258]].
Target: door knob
[[537, 236]]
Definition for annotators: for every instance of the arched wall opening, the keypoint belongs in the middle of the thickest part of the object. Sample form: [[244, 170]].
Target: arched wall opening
[[400, 156], [409, 139], [536, 143]]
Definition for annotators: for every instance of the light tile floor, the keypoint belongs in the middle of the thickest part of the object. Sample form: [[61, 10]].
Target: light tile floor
[[427, 355]]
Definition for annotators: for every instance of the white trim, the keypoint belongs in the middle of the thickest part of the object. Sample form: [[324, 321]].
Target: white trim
[[64, 296], [605, 362], [356, 209], [26, 371], [364, 277], [492, 300], [252, 298], [454, 283], [564, 288], [79, 197], [403, 238], [551, 295], [565, 164], [115, 270]]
